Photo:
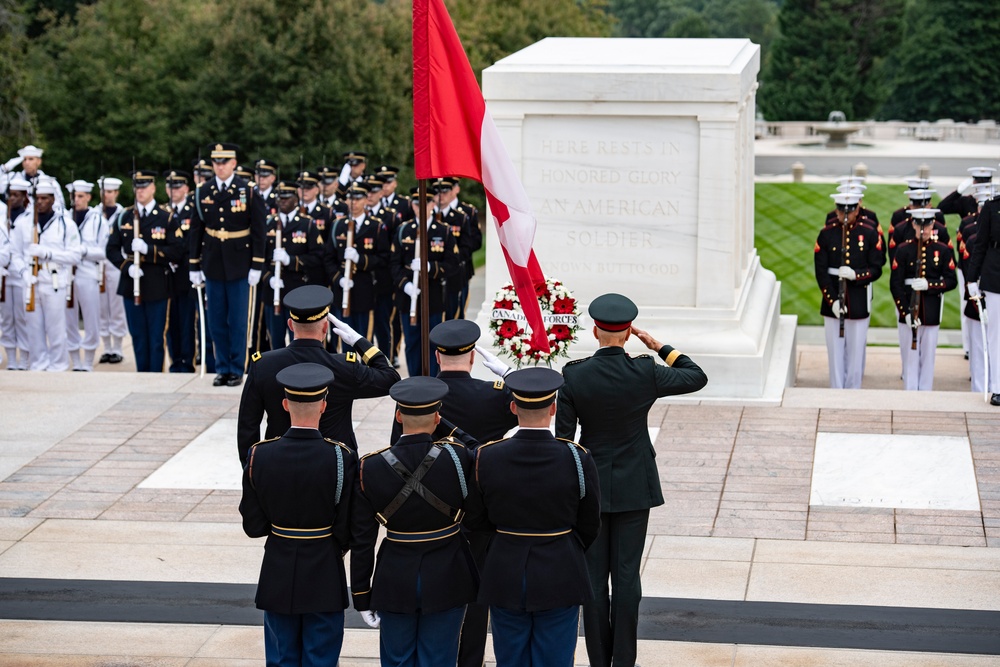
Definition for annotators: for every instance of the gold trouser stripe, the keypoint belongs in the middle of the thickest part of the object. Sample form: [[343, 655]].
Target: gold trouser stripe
[[672, 357], [511, 532], [372, 351]]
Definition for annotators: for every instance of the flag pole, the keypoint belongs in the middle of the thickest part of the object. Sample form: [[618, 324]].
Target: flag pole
[[425, 309]]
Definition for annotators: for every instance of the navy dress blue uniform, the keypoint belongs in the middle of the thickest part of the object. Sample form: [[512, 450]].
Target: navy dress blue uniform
[[147, 320], [442, 265], [609, 394], [541, 497], [425, 575], [362, 372], [296, 491], [181, 325], [227, 241]]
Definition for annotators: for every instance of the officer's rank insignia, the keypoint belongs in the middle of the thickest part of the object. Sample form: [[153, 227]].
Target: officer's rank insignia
[[298, 237], [498, 384], [256, 356], [158, 233], [351, 357]]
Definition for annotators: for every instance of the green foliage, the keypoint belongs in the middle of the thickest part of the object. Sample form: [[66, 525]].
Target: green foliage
[[941, 69], [160, 79], [830, 55], [17, 125], [788, 218]]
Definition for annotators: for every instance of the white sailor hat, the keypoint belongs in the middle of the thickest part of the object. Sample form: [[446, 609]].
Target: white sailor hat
[[852, 188], [920, 195], [851, 180], [19, 183], [108, 183], [981, 172], [918, 183], [846, 199], [30, 151], [80, 186], [924, 216], [46, 186]]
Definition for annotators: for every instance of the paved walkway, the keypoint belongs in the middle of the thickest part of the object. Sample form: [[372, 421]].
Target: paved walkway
[[742, 524]]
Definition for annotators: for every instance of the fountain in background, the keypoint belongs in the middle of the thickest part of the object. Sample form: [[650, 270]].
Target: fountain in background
[[837, 130]]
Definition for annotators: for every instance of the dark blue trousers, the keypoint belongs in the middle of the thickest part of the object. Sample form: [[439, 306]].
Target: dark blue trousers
[[411, 337], [228, 309], [210, 357], [455, 300], [362, 321], [383, 323], [303, 640], [277, 326], [535, 639], [146, 323], [181, 331], [420, 640]]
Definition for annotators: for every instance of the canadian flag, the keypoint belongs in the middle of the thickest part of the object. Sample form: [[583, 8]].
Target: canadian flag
[[454, 135]]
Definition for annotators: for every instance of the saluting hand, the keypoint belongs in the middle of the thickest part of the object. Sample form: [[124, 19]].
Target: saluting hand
[[343, 330], [647, 339]]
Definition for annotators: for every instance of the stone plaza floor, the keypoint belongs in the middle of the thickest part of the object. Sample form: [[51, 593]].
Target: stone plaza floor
[[120, 537]]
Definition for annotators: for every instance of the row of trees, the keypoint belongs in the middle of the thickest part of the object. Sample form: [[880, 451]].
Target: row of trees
[[99, 81]]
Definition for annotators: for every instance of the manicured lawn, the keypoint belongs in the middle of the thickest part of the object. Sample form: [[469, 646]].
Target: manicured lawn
[[788, 218]]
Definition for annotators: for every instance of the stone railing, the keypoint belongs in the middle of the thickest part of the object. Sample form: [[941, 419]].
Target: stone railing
[[983, 132]]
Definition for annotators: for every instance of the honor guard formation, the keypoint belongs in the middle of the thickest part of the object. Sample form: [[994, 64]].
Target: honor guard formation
[[490, 521], [852, 251], [200, 280]]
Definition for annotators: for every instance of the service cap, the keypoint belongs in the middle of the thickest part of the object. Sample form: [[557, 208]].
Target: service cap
[[981, 173], [265, 166], [455, 337], [613, 312], [419, 395], [306, 382], [285, 189], [534, 388], [924, 216], [176, 178], [143, 177], [223, 151], [309, 303], [357, 192], [354, 158], [920, 195]]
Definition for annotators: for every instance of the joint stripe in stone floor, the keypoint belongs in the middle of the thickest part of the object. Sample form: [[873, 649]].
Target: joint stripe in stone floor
[[661, 619]]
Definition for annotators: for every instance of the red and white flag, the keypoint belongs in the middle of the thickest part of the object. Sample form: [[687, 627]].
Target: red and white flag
[[454, 135]]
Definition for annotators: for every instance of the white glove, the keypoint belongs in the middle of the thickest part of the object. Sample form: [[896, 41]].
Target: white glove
[[196, 277], [491, 362], [3, 272], [11, 163], [281, 255], [349, 336], [276, 283], [973, 290], [134, 271], [984, 316], [411, 290], [351, 254], [29, 279], [919, 284], [415, 264], [964, 187], [253, 277], [910, 322], [345, 174], [140, 246], [847, 273], [836, 309], [345, 283], [38, 251], [371, 618]]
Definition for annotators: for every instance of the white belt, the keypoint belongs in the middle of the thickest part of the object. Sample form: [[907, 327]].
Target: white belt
[[834, 272], [909, 281]]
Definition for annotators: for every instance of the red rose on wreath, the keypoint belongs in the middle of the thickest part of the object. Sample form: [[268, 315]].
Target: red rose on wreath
[[564, 305], [507, 329]]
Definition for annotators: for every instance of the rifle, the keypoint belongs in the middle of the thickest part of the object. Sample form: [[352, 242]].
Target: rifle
[[842, 284], [35, 265], [136, 234], [416, 272], [3, 279], [278, 232], [348, 266], [915, 295], [100, 279], [70, 296]]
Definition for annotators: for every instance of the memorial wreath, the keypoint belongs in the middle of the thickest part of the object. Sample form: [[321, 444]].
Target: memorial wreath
[[560, 313]]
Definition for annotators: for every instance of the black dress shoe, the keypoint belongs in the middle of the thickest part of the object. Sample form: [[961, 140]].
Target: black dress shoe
[[220, 380], [115, 358], [105, 358], [995, 399], [234, 381]]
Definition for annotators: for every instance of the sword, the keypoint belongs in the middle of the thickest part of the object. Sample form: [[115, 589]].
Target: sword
[[983, 318], [201, 319]]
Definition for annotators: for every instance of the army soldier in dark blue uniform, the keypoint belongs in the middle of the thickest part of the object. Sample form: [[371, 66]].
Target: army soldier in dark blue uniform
[[369, 253], [391, 199], [352, 173], [296, 491], [468, 237], [147, 229], [362, 372], [442, 264], [181, 328], [300, 256], [609, 394], [924, 266], [542, 498], [227, 255], [265, 175], [425, 576], [320, 213]]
